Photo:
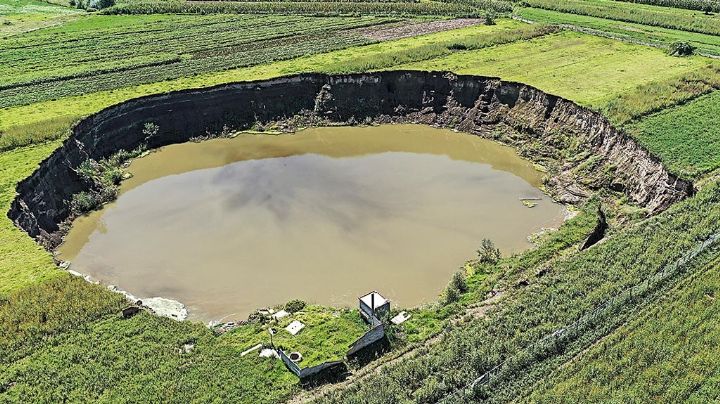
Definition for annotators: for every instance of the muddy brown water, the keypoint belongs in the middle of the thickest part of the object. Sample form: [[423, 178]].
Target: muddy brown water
[[230, 225]]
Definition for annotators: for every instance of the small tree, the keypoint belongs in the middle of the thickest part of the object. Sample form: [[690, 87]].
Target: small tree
[[488, 253], [707, 9]]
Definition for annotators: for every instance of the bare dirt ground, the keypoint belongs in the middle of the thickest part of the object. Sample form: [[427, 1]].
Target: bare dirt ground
[[409, 29]]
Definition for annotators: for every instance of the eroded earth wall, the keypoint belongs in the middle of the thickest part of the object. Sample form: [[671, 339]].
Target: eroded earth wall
[[581, 149]]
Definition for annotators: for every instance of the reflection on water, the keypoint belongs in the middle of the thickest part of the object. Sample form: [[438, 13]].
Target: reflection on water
[[230, 225]]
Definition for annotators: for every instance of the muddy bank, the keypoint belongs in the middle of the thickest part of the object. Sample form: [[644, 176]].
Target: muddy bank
[[581, 149]]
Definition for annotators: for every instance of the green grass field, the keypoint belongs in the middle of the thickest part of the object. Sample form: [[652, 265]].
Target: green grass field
[[23, 125], [651, 15], [686, 137], [668, 352], [628, 31], [22, 261], [62, 339], [586, 69], [110, 52], [20, 16]]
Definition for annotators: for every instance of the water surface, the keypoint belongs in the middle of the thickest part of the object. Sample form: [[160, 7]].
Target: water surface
[[230, 225]]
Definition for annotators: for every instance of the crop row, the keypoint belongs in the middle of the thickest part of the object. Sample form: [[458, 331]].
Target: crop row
[[437, 49], [686, 137], [330, 1], [543, 300], [137, 27], [674, 343], [107, 60], [313, 8], [641, 14], [251, 54], [710, 6], [101, 49], [498, 6], [630, 32]]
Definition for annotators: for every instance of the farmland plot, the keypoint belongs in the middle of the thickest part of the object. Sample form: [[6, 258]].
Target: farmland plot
[[109, 52]]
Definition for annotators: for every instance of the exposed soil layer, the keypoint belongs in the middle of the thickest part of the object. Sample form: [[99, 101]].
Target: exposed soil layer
[[406, 30], [582, 150]]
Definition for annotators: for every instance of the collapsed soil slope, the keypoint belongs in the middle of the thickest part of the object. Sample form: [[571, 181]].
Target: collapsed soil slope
[[580, 147]]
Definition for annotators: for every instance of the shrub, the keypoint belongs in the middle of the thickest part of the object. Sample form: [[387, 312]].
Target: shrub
[[488, 253], [457, 46], [83, 202], [100, 4], [431, 391], [295, 305], [455, 288], [458, 281], [452, 295], [681, 49], [489, 18]]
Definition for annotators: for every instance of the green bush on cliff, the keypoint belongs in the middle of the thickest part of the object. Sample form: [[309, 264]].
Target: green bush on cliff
[[103, 178], [295, 305]]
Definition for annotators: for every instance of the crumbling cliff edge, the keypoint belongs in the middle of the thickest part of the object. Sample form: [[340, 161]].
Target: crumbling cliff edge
[[581, 149]]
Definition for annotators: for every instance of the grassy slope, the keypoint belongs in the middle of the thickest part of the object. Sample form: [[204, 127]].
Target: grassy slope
[[22, 261], [65, 340], [589, 70], [686, 137], [668, 353]]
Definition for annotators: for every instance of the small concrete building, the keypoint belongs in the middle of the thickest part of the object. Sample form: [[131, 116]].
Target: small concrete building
[[373, 307]]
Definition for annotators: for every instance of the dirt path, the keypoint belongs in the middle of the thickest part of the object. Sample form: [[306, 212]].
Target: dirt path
[[410, 29]]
